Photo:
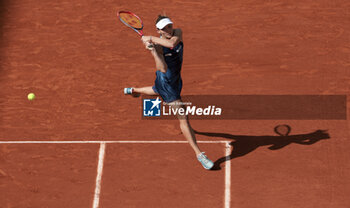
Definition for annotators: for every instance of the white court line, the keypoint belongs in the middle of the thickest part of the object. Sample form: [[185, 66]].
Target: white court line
[[107, 142], [102, 154], [228, 176], [99, 175]]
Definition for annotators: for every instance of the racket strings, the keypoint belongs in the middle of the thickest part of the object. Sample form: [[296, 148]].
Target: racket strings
[[282, 130], [131, 20]]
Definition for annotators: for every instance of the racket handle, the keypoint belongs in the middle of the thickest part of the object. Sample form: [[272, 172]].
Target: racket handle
[[150, 47]]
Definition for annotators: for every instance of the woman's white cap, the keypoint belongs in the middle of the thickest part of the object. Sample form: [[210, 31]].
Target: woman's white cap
[[163, 22]]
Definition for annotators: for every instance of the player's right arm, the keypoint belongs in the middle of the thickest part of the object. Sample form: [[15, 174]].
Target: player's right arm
[[157, 54], [169, 43]]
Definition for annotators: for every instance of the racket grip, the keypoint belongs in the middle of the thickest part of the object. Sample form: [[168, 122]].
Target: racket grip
[[151, 44], [150, 47]]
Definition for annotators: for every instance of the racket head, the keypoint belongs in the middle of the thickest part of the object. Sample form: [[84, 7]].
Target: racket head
[[131, 20], [282, 130]]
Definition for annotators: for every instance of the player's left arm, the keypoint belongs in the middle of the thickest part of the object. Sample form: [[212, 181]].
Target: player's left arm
[[169, 43]]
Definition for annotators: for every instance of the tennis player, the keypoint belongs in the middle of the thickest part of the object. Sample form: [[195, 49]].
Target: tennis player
[[167, 52]]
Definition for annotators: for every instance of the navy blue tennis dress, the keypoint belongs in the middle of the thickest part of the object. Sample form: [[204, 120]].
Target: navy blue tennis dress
[[168, 85]]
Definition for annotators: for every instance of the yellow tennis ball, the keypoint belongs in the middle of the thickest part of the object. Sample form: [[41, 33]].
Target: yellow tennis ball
[[31, 96]]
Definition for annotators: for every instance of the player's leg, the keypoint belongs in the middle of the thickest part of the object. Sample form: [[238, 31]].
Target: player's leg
[[145, 90], [189, 134], [136, 92], [160, 66]]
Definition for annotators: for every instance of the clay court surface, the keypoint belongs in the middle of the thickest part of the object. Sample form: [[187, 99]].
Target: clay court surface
[[82, 143]]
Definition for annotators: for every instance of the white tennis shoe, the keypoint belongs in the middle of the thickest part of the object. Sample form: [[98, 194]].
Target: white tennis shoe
[[205, 161]]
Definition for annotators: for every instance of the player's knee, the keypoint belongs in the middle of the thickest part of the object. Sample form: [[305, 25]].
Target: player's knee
[[183, 123], [182, 118]]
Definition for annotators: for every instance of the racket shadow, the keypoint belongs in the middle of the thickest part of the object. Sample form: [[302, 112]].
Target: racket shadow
[[243, 144]]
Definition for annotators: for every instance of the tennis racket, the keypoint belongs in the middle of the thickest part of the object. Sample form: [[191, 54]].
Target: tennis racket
[[282, 130], [133, 21]]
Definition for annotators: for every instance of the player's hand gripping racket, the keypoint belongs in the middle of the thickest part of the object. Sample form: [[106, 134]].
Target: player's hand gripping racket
[[133, 21]]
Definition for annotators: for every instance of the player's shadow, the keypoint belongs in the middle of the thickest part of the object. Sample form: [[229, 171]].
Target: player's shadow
[[243, 144]]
